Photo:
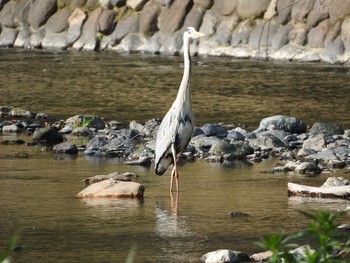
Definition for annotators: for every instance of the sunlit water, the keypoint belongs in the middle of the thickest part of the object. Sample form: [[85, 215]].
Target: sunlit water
[[38, 192]]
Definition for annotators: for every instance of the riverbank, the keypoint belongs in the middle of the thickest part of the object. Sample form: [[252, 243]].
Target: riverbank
[[306, 31], [324, 148]]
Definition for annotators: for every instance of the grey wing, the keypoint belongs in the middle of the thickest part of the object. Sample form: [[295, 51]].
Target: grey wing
[[165, 138]]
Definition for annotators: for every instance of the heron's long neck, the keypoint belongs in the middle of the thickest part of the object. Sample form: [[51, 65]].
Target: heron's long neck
[[184, 94]]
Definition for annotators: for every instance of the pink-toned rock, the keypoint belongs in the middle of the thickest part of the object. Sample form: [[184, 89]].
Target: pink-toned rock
[[113, 189]]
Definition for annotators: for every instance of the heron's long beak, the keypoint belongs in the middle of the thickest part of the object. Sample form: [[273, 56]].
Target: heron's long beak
[[198, 34]]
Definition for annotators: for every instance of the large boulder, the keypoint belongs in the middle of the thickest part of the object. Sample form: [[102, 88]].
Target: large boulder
[[113, 189], [251, 8], [88, 39], [75, 22], [224, 7], [281, 122], [327, 128], [149, 18], [318, 34], [40, 11], [339, 9], [171, 19]]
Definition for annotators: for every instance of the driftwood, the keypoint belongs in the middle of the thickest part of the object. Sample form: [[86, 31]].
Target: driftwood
[[320, 192]]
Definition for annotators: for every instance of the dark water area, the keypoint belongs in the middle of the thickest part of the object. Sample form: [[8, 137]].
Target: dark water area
[[38, 191]]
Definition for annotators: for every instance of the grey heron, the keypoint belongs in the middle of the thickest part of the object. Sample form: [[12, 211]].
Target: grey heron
[[176, 128]]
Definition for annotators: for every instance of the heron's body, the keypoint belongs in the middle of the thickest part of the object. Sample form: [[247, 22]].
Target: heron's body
[[176, 128]]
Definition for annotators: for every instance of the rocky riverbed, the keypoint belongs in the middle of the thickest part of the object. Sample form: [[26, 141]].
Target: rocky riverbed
[[323, 148], [297, 148], [306, 30]]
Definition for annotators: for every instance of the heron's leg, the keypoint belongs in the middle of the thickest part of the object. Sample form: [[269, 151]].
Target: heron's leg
[[174, 172]]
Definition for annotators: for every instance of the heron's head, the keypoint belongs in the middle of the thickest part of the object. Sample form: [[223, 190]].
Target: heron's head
[[192, 33]]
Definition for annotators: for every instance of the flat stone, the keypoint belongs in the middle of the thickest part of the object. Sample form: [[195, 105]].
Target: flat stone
[[113, 189]]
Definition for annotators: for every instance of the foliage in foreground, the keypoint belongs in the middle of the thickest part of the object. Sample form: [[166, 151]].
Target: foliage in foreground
[[327, 240], [11, 245]]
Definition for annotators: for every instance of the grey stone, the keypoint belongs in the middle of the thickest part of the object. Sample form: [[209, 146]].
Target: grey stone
[[284, 8], [21, 13], [209, 23], [37, 37], [224, 31], [106, 21], [58, 22], [224, 255], [327, 128], [332, 50], [124, 177], [13, 128], [221, 148], [333, 33], [282, 122], [242, 32], [301, 9], [308, 168], [345, 33], [23, 38], [75, 21], [224, 7], [202, 141], [124, 27], [137, 5], [319, 12], [214, 130], [339, 9], [298, 35], [40, 11], [281, 37], [318, 34], [130, 43], [149, 19], [47, 135], [55, 41], [7, 15], [336, 181], [86, 121], [263, 34], [235, 135], [8, 37], [206, 4], [251, 8], [315, 142], [172, 19], [267, 140], [194, 18], [65, 148], [88, 39]]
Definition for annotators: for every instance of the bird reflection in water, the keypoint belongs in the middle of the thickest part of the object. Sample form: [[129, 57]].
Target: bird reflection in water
[[168, 222]]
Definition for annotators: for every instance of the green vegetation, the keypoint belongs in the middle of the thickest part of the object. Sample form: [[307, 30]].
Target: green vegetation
[[85, 121], [329, 243], [11, 245]]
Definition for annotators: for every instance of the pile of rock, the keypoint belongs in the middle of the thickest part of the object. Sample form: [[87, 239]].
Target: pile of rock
[[308, 30], [325, 147]]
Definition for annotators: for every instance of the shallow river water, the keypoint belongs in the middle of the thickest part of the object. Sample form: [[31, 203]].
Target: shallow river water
[[38, 192]]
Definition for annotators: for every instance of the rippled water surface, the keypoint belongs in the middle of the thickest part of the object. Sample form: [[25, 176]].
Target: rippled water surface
[[38, 192]]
